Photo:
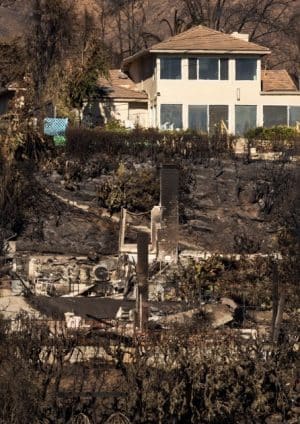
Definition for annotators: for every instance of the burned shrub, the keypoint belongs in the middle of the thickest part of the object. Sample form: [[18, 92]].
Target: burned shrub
[[146, 144], [243, 244], [212, 378], [195, 281], [136, 190], [16, 189]]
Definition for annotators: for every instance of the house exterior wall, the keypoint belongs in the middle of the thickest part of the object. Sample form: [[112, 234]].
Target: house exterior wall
[[143, 73], [138, 114], [188, 92], [111, 109], [128, 112], [120, 111], [218, 92]]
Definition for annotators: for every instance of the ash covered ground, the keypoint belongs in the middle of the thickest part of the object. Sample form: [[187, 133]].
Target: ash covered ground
[[226, 206]]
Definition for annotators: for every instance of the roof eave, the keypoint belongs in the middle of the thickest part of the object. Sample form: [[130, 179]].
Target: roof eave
[[281, 93], [196, 51], [125, 99], [146, 52], [129, 99], [134, 57]]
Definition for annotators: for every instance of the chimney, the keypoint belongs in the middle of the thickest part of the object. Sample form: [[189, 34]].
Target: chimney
[[142, 280], [244, 37], [168, 234]]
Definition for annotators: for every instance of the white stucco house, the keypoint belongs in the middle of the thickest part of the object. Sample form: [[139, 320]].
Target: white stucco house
[[201, 79]]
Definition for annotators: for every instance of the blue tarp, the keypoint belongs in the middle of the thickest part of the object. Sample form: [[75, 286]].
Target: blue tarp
[[55, 126]]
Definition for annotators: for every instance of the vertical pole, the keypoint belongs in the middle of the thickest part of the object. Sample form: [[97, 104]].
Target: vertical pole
[[275, 293], [168, 243], [142, 279]]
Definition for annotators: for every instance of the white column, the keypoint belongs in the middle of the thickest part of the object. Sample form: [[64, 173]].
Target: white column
[[231, 70], [185, 118], [184, 69], [231, 118], [260, 116], [158, 114]]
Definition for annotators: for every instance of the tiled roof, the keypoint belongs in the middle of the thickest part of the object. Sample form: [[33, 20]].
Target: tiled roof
[[277, 80], [202, 38], [119, 86]]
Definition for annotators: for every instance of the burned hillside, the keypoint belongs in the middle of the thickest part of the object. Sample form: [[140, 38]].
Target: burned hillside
[[138, 268], [149, 215], [225, 205]]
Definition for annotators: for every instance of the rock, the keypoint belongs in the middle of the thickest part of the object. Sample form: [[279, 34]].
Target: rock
[[180, 317], [218, 314], [263, 317], [248, 194], [250, 212], [55, 177], [198, 225], [229, 302]]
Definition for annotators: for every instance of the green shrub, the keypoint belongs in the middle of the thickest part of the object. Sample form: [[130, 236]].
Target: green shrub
[[276, 139], [277, 133], [115, 125]]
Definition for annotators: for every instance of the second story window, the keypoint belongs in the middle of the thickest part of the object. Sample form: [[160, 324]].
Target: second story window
[[170, 68], [208, 68], [246, 69]]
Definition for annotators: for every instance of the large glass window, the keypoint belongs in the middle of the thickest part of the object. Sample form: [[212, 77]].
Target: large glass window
[[218, 118], [294, 117], [246, 69], [171, 117], [193, 74], [170, 68], [223, 69], [204, 118], [198, 118], [208, 68], [275, 115], [245, 118]]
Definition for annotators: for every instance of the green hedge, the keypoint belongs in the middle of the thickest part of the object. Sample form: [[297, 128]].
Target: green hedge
[[275, 139], [277, 133], [145, 143]]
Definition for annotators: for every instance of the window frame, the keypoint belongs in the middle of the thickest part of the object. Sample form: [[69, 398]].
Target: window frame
[[208, 115], [287, 115], [237, 59], [204, 107], [197, 59], [290, 112], [235, 120], [160, 115], [210, 130], [170, 58]]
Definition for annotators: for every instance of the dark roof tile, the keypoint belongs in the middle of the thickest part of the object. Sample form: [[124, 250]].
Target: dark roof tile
[[277, 80], [203, 38], [120, 86]]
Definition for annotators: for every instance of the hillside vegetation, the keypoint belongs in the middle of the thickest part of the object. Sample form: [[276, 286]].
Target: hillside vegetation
[[126, 26]]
